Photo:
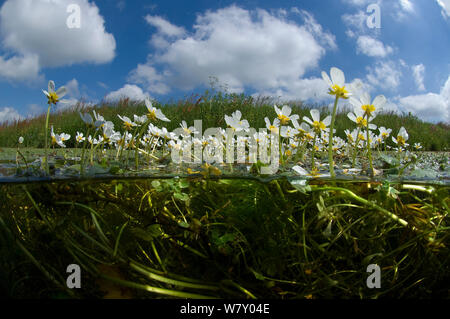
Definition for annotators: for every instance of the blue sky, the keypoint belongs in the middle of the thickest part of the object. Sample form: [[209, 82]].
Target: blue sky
[[170, 49]]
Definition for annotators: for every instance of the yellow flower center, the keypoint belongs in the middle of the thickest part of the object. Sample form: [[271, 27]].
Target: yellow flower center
[[350, 137], [283, 119], [384, 135], [361, 137], [319, 126], [187, 131], [273, 129], [338, 91], [53, 140], [314, 172], [53, 98], [361, 121], [151, 115], [127, 126], [400, 140], [368, 108]]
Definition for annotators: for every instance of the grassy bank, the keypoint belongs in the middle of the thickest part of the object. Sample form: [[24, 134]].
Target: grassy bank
[[211, 109]]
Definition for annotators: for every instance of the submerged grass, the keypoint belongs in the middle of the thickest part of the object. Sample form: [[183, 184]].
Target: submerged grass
[[224, 238]]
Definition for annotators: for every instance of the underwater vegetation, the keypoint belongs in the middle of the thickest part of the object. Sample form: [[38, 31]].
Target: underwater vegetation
[[297, 211]]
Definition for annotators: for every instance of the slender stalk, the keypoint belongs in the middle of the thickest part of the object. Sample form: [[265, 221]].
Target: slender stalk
[[330, 142], [47, 170], [355, 149], [313, 155], [369, 151], [364, 201]]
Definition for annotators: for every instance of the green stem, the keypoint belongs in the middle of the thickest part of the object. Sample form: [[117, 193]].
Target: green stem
[[330, 142], [355, 150], [47, 170], [313, 163], [364, 201], [84, 152], [369, 151]]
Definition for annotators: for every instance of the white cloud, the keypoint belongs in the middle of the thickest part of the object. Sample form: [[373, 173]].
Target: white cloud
[[253, 49], [407, 5], [445, 5], [325, 38], [72, 88], [132, 92], [418, 73], [358, 2], [384, 75], [372, 47], [147, 75], [164, 27], [8, 114], [356, 24], [37, 31], [20, 68], [431, 106]]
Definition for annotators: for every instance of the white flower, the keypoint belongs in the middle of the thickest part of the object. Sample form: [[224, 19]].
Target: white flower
[[402, 137], [154, 113], [318, 125], [273, 128], [360, 120], [364, 104], [188, 130], [127, 123], [79, 137], [21, 140], [384, 133], [140, 119], [236, 123], [52, 96], [59, 139], [284, 115], [337, 83]]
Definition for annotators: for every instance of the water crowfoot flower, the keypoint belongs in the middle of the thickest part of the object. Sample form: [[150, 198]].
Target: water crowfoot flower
[[53, 98], [337, 88], [284, 115], [154, 113]]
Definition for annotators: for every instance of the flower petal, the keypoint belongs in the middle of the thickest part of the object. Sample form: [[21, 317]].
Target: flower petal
[[286, 110], [51, 86], [365, 98], [61, 92], [327, 120], [379, 101], [327, 79], [337, 76], [315, 114]]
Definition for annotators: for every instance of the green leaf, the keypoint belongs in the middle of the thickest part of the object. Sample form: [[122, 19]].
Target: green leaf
[[424, 173], [391, 161], [181, 196], [301, 185], [157, 185]]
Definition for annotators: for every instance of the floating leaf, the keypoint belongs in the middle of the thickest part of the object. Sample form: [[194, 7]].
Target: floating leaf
[[424, 173]]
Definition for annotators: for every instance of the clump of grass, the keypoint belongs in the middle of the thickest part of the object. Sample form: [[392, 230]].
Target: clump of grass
[[226, 238], [211, 107]]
